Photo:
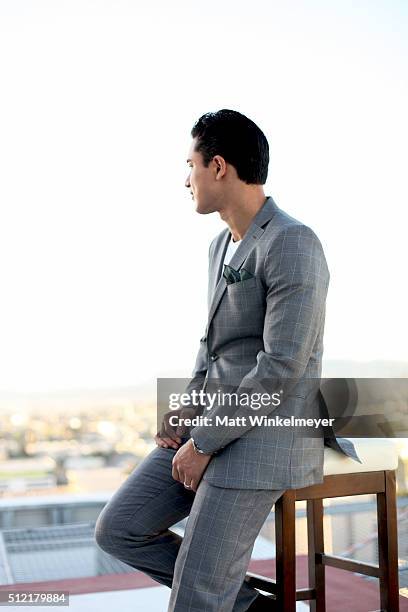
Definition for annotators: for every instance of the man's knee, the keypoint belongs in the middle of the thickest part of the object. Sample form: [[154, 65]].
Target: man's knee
[[105, 535], [112, 536]]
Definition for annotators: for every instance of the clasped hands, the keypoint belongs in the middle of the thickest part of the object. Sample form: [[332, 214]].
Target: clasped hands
[[188, 465]]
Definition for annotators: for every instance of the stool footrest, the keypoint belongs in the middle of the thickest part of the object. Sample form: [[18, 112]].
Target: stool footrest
[[269, 585], [304, 594], [368, 569], [261, 582]]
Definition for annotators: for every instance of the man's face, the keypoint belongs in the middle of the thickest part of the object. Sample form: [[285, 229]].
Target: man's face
[[202, 183]]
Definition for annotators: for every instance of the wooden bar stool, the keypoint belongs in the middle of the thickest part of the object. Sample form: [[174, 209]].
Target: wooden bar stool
[[342, 477]]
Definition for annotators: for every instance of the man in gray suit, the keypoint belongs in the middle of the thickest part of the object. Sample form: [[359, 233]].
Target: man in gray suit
[[268, 282]]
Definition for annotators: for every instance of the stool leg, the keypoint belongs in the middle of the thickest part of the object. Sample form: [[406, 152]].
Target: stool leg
[[315, 537], [388, 544], [285, 517]]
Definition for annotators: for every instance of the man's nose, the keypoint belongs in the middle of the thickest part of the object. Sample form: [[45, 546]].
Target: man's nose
[[187, 183]]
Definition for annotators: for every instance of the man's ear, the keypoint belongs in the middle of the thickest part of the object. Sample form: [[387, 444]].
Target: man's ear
[[220, 166]]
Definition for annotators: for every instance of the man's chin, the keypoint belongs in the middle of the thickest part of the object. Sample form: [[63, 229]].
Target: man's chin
[[203, 211]]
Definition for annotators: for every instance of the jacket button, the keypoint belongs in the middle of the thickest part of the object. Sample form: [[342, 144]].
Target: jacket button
[[214, 357]]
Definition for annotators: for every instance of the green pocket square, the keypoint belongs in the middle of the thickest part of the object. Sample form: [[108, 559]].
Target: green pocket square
[[244, 274], [233, 276]]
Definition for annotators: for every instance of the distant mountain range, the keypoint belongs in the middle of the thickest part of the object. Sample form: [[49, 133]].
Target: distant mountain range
[[71, 399]]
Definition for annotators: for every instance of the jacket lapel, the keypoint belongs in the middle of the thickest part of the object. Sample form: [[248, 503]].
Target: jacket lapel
[[216, 266], [248, 242]]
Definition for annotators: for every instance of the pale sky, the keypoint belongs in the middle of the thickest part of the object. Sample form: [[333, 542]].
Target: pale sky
[[103, 257]]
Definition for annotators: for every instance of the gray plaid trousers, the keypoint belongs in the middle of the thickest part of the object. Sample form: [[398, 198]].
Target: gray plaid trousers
[[206, 568]]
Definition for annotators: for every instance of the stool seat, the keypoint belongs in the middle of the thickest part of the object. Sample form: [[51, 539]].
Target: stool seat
[[376, 454]]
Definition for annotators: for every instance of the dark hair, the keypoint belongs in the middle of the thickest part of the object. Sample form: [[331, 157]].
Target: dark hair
[[237, 139]]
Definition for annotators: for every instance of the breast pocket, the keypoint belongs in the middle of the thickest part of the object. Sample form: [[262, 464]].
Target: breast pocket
[[249, 283], [244, 302]]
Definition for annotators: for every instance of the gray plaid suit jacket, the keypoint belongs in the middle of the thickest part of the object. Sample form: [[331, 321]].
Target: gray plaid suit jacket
[[267, 328]]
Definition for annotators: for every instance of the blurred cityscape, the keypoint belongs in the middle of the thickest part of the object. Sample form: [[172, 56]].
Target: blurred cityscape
[[86, 443], [63, 455]]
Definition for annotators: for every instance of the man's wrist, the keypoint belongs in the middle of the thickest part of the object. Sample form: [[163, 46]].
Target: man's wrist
[[198, 450]]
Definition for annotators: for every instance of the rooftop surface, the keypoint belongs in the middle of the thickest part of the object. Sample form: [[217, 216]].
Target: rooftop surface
[[134, 591]]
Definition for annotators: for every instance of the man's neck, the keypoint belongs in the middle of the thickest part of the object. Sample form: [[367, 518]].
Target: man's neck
[[239, 213]]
